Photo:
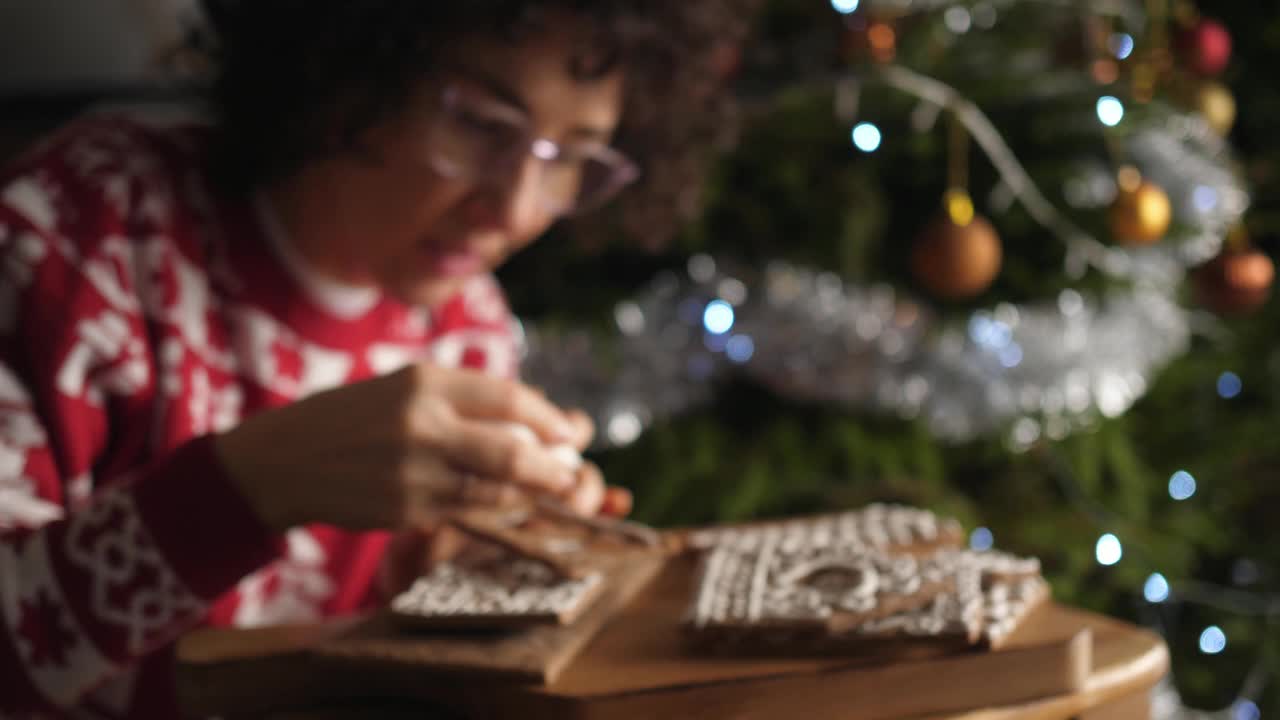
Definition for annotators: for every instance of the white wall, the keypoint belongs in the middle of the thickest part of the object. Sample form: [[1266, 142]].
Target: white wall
[[51, 46]]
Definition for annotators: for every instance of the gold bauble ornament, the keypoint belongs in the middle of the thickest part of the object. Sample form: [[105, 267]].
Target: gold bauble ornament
[[1141, 212], [958, 255], [1216, 105]]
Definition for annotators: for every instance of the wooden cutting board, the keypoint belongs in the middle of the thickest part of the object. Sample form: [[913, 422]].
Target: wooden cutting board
[[636, 668], [224, 671]]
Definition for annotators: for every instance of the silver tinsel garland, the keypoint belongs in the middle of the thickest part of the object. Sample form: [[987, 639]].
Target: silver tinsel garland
[[1047, 368]]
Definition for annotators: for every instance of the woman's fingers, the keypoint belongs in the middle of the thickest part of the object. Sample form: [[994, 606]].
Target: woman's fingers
[[489, 450], [589, 494], [477, 491], [483, 397], [617, 502], [583, 426]]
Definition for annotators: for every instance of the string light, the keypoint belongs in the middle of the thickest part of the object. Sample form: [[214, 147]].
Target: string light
[[740, 348], [629, 317], [984, 15], [1156, 588], [1109, 550], [1213, 640], [716, 343], [958, 20], [1229, 385], [718, 317], [1011, 355], [1121, 45], [624, 428], [1182, 485], [1204, 198], [866, 137], [845, 7], [1110, 110], [981, 539], [702, 267], [989, 333], [1245, 710]]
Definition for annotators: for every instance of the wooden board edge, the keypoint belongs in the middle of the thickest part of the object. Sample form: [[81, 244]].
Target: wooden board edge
[[1106, 685], [1067, 664], [604, 609]]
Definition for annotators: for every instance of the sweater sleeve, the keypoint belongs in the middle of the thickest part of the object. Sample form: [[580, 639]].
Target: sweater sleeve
[[105, 556]]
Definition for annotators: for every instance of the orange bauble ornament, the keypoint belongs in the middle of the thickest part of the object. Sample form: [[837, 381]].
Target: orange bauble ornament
[[958, 255], [1236, 282], [860, 38], [1141, 213]]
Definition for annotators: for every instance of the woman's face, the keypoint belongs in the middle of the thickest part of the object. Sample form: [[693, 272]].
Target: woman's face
[[462, 178]]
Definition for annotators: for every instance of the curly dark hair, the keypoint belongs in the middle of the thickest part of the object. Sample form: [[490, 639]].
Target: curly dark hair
[[285, 66]]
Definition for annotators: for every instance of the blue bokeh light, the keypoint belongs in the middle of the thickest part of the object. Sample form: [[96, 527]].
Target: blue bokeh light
[[1182, 485], [981, 539], [846, 6], [1204, 198], [718, 318], [1229, 385], [866, 137], [1213, 640], [989, 333], [740, 348], [1122, 45], [1011, 355], [1109, 550], [1110, 110], [1245, 710], [1156, 589]]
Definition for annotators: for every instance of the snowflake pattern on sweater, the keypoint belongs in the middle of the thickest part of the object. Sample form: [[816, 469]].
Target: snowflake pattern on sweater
[[141, 311]]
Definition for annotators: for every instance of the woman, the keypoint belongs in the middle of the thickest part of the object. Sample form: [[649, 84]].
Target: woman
[[236, 359]]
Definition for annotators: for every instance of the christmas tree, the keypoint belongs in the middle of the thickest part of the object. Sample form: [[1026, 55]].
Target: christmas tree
[[1002, 259]]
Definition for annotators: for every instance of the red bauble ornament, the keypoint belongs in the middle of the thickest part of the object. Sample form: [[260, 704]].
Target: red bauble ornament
[[726, 60], [1205, 47], [1236, 282]]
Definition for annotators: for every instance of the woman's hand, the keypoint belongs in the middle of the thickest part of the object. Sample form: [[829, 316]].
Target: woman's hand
[[412, 552], [401, 450]]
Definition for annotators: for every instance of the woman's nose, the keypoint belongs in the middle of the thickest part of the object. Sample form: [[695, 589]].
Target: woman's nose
[[510, 200]]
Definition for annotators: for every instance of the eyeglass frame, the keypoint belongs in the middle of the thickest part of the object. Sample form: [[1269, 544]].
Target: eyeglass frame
[[624, 171]]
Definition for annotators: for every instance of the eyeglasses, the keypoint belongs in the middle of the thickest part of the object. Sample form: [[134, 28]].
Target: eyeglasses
[[474, 136]]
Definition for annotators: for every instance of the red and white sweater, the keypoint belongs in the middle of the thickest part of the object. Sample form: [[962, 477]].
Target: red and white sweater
[[140, 311]]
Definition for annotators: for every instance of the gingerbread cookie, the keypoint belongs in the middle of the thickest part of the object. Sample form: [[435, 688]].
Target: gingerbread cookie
[[500, 591], [995, 565], [1007, 604], [765, 595], [771, 585], [953, 619], [876, 527], [992, 595]]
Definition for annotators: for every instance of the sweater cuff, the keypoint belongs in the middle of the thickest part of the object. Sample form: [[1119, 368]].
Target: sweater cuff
[[206, 529]]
